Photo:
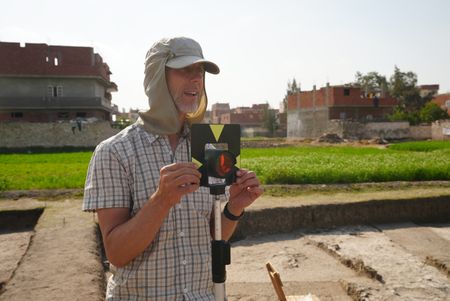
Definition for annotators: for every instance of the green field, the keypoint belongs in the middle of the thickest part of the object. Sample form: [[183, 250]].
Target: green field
[[325, 165], [43, 171], [414, 161]]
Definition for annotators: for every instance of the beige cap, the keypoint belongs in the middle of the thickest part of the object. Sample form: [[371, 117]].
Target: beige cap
[[185, 52]]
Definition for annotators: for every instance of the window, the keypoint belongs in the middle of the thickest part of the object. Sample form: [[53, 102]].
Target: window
[[55, 61], [16, 115], [55, 91], [63, 115], [346, 92]]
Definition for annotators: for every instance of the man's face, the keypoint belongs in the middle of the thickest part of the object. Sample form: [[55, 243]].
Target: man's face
[[186, 86]]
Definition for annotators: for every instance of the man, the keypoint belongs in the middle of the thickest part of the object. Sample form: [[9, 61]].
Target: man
[[154, 218]]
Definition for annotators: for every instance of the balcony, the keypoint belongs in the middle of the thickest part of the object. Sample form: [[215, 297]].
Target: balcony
[[53, 103]]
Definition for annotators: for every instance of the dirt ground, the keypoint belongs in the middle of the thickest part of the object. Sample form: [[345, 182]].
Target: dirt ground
[[60, 260], [378, 262]]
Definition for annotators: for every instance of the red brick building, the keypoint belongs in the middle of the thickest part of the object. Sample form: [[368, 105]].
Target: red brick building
[[246, 116], [443, 100], [45, 83], [217, 110], [310, 111], [343, 102], [251, 118]]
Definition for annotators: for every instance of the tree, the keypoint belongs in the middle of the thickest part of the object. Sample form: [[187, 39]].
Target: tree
[[402, 82], [292, 87], [402, 85], [432, 112], [371, 82], [270, 120], [401, 115]]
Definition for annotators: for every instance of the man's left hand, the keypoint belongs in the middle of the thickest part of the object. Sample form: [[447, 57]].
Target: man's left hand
[[244, 191]]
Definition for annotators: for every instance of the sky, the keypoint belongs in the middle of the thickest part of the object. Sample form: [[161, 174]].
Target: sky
[[258, 45]]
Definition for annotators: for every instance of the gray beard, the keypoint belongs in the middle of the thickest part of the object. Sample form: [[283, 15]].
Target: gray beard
[[185, 108]]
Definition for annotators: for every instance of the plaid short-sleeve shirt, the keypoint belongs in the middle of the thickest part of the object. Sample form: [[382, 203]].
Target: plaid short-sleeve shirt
[[124, 172]]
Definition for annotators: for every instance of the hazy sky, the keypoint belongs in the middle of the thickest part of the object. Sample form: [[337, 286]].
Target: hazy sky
[[259, 45]]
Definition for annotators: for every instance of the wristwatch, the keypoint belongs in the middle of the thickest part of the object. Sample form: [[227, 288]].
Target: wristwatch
[[231, 216]]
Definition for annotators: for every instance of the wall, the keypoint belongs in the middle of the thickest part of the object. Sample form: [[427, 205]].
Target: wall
[[440, 130], [420, 132], [52, 115], [309, 99], [27, 134], [345, 129], [386, 130], [357, 130], [250, 131], [307, 123], [39, 59], [37, 87], [360, 113]]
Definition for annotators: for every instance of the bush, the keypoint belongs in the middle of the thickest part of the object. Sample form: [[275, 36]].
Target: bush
[[432, 112], [400, 115]]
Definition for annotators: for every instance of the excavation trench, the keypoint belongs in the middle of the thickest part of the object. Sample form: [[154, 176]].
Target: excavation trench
[[16, 234]]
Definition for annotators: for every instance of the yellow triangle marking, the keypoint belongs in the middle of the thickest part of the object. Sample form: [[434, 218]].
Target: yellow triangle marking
[[238, 161], [217, 130], [198, 163]]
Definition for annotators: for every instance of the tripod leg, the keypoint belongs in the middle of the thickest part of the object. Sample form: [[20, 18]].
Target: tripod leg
[[220, 253]]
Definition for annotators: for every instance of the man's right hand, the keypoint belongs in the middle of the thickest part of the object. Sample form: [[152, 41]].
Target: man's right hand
[[176, 180]]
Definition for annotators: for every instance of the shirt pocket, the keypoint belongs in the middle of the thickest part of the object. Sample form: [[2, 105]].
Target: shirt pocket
[[202, 202]]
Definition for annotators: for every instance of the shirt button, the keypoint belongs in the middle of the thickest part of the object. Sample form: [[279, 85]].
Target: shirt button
[[181, 233], [185, 290], [184, 262]]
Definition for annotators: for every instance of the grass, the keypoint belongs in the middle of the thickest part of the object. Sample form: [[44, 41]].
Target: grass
[[417, 161], [327, 165], [421, 146], [43, 171]]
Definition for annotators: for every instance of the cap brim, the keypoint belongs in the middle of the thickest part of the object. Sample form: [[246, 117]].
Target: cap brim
[[184, 61]]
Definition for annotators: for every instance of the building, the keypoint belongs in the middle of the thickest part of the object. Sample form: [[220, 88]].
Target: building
[[443, 100], [246, 116], [308, 112], [45, 83], [251, 119], [132, 115], [217, 110], [425, 90]]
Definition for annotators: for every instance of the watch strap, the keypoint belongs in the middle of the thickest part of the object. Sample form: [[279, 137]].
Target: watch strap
[[230, 215]]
